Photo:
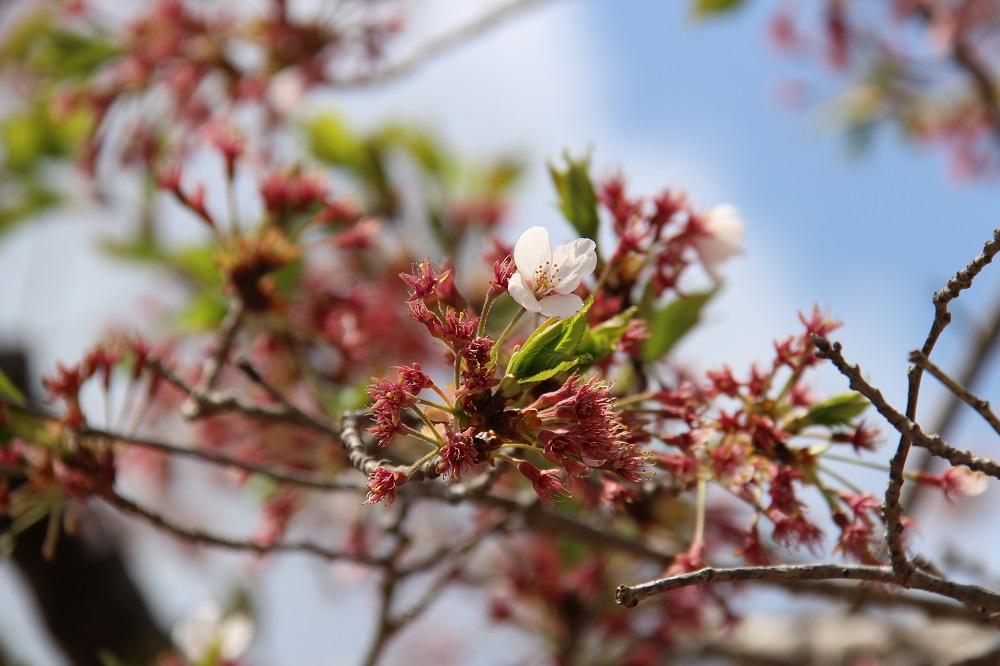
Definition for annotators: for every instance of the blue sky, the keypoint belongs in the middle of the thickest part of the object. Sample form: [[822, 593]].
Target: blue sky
[[670, 102]]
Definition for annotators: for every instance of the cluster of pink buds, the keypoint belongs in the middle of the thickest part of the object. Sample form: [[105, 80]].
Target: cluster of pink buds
[[668, 234], [540, 406], [763, 438]]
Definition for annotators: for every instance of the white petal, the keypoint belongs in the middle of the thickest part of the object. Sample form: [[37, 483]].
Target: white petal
[[519, 292], [574, 261], [235, 635], [532, 251], [726, 225], [560, 305], [725, 241]]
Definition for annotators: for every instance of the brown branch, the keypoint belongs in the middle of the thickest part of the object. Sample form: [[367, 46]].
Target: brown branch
[[958, 390], [964, 56], [387, 590], [213, 402], [436, 47], [458, 556], [942, 317], [976, 360], [194, 406], [365, 462], [223, 460], [537, 516], [860, 596], [967, 60], [906, 427], [892, 508], [204, 538], [975, 597], [456, 551], [173, 449]]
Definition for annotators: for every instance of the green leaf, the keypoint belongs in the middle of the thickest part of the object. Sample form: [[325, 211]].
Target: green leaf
[[288, 278], [27, 426], [204, 312], [544, 338], [601, 340], [706, 8], [8, 389], [333, 141], [198, 263], [426, 151], [552, 346], [670, 323], [577, 200], [573, 330], [839, 410], [29, 136], [555, 366], [503, 175]]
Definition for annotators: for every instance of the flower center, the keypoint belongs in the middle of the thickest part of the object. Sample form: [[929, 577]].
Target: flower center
[[546, 278]]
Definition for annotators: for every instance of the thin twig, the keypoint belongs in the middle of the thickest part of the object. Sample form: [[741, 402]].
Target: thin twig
[[965, 395], [977, 359], [201, 537], [212, 402], [457, 556], [892, 508], [536, 516], [859, 596], [390, 582], [364, 462], [194, 406], [456, 551], [223, 460], [436, 47], [975, 597], [173, 449], [906, 427]]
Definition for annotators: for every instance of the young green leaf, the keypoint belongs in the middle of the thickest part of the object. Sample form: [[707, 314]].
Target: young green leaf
[[841, 409], [577, 199], [8, 389], [601, 340], [670, 323], [551, 346], [706, 8]]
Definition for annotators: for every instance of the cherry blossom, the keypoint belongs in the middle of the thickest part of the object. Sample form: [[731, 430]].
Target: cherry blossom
[[209, 634], [723, 231], [546, 276]]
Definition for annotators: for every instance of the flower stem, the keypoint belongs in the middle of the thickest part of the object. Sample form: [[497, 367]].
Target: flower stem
[[510, 327], [415, 466], [699, 519], [436, 405], [856, 461], [842, 479], [487, 306], [429, 424], [444, 396], [633, 399]]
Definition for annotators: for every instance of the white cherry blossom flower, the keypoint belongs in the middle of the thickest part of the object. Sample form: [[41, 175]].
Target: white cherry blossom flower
[[725, 230], [546, 276], [207, 633]]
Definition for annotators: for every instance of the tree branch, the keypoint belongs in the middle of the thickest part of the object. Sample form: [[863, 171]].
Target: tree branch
[[194, 406], [436, 47], [173, 449], [211, 402], [201, 537], [906, 427], [977, 598], [961, 392]]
